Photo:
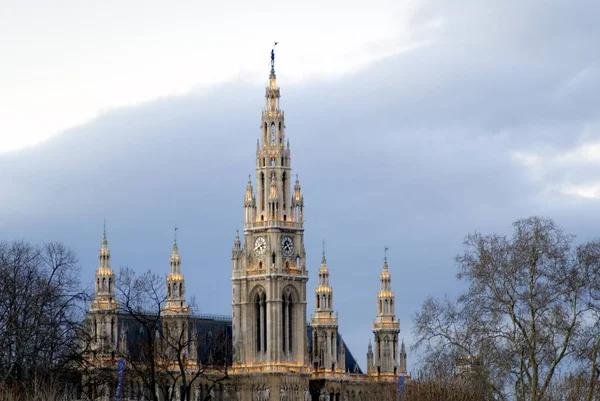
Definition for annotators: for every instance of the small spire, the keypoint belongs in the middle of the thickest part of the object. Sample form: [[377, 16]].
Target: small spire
[[323, 260], [175, 236], [104, 240]]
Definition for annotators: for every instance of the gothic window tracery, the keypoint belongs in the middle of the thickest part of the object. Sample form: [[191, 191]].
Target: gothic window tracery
[[260, 308]]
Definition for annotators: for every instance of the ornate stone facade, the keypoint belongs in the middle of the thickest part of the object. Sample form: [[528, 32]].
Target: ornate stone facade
[[273, 354]]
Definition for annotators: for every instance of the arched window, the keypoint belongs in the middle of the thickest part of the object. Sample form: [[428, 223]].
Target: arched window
[[290, 323], [332, 347], [180, 289], [112, 330], [318, 301], [109, 283], [283, 178], [284, 307], [273, 257], [260, 308], [262, 189], [169, 290]]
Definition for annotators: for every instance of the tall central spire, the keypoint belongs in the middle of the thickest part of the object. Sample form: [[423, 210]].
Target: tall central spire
[[269, 272]]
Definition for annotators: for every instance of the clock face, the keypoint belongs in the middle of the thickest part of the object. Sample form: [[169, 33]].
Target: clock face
[[272, 134], [260, 246], [287, 245]]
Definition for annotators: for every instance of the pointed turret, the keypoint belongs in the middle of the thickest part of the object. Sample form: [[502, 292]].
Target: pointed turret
[[324, 323], [249, 195], [236, 254], [298, 201], [104, 291], [249, 203], [403, 358], [386, 327], [370, 358], [103, 309], [175, 312], [175, 284]]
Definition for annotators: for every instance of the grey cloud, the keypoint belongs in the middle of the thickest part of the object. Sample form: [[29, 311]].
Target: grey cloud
[[412, 152]]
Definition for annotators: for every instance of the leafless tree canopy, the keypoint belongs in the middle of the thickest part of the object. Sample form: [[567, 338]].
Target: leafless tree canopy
[[164, 360], [41, 310], [530, 312]]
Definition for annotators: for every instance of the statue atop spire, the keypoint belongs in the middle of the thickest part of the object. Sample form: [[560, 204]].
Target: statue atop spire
[[273, 59]]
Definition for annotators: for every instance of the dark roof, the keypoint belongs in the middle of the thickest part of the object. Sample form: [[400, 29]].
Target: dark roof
[[214, 339]]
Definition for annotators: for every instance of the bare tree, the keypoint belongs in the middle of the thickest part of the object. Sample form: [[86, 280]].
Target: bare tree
[[524, 311], [41, 310], [179, 350], [140, 297], [166, 357]]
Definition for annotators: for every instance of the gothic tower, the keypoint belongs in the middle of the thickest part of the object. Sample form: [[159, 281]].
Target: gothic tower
[[103, 309], [269, 274], [324, 324], [385, 328], [175, 312]]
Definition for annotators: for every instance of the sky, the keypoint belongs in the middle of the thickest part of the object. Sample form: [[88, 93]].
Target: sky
[[411, 124]]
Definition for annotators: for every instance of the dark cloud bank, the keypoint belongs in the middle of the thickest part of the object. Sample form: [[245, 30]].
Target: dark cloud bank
[[412, 152]]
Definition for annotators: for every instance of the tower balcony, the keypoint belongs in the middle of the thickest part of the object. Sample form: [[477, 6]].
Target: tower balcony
[[386, 325], [324, 320], [274, 224]]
